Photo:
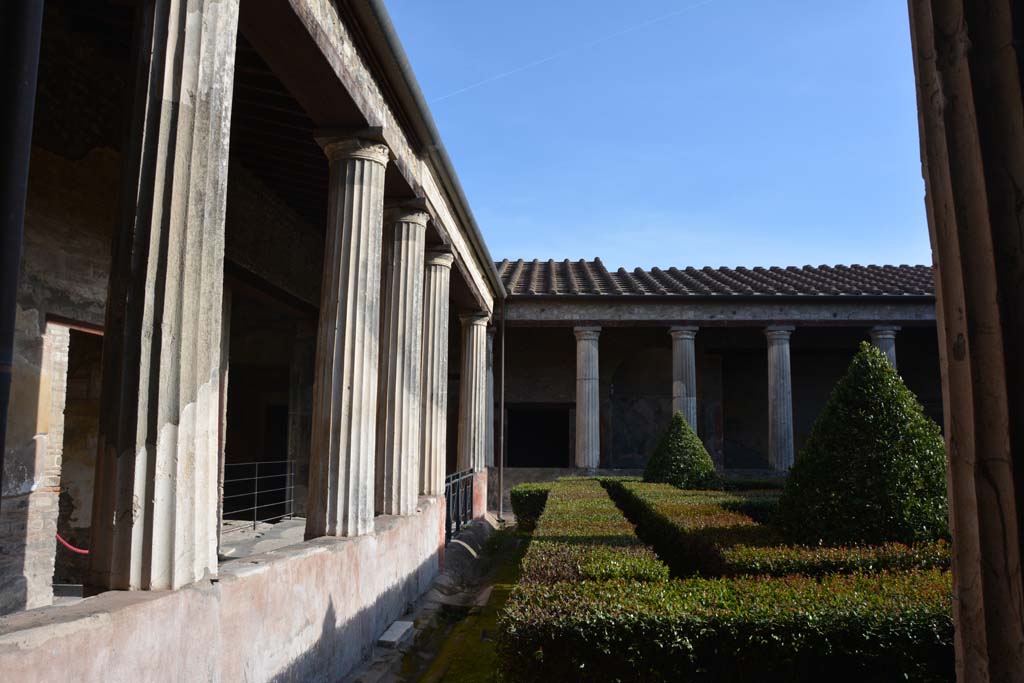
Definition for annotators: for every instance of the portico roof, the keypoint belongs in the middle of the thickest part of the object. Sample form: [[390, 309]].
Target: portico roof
[[583, 278]]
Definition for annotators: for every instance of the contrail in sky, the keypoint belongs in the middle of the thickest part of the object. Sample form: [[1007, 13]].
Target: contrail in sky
[[573, 48]]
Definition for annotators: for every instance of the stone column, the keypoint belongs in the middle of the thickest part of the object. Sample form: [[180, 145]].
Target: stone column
[[341, 468], [434, 432], [884, 337], [472, 391], [588, 403], [489, 398], [780, 398], [684, 373], [300, 412], [398, 421], [155, 497]]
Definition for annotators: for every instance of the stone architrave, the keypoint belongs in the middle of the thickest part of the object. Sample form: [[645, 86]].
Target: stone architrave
[[684, 372], [884, 337], [780, 398], [398, 422], [341, 477], [434, 434], [472, 392], [588, 403]]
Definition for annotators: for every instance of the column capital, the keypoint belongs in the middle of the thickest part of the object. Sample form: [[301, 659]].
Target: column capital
[[407, 211], [362, 143], [885, 330], [440, 257], [683, 331], [588, 332], [779, 332], [474, 318]]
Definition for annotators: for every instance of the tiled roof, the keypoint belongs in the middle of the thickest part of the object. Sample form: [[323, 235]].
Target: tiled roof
[[592, 278]]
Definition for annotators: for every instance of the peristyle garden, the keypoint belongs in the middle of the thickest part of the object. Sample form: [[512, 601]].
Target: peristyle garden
[[840, 572]]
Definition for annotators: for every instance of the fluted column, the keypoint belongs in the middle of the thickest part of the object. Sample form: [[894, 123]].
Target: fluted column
[[434, 431], [341, 477], [155, 497], [780, 398], [588, 401], [398, 422], [489, 399], [300, 409], [684, 373], [884, 337], [472, 392]]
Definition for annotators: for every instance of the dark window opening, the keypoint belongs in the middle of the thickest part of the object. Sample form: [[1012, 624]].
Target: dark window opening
[[540, 437]]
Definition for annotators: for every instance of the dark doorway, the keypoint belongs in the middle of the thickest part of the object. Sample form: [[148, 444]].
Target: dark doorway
[[540, 436]]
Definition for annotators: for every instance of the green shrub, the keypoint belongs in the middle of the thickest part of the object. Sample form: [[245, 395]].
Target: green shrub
[[528, 503], [760, 506], [734, 483], [877, 627], [687, 528], [873, 468], [681, 459], [583, 536], [703, 532]]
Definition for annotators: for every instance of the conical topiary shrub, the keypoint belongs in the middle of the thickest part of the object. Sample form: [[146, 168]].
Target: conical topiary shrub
[[681, 459], [873, 468]]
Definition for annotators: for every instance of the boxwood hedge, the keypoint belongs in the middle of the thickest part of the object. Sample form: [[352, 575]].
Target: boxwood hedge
[[528, 503], [878, 627], [582, 535], [702, 532]]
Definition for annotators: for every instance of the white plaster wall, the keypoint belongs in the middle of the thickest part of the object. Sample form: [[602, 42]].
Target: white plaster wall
[[307, 612]]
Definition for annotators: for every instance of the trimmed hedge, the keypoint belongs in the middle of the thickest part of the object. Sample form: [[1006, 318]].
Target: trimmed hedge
[[696, 532], [873, 468], [528, 503], [681, 458], [754, 483], [879, 627], [583, 536]]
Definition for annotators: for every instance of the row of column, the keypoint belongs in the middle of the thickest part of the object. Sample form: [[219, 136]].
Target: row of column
[[380, 389], [684, 388], [379, 405]]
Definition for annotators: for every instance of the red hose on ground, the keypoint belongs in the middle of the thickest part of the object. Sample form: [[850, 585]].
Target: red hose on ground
[[71, 547]]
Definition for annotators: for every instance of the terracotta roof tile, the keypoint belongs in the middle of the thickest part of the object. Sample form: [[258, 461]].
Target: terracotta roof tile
[[592, 278]]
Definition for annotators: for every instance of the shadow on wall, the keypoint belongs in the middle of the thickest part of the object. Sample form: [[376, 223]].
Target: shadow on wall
[[341, 647]]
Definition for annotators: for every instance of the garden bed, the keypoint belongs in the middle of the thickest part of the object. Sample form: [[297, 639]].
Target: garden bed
[[708, 533], [595, 603]]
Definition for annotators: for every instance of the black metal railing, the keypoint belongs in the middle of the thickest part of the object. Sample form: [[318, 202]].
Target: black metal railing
[[257, 492], [458, 508]]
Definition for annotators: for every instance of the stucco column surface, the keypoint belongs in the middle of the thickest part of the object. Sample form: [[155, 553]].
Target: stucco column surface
[[884, 337], [398, 423], [300, 407], [156, 493], [489, 399], [472, 392], [588, 403], [341, 477], [684, 372], [434, 430], [780, 399]]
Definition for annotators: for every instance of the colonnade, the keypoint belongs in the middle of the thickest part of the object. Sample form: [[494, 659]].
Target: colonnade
[[379, 385], [684, 387]]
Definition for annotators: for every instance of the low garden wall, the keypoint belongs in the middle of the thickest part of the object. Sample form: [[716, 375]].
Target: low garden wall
[[307, 612]]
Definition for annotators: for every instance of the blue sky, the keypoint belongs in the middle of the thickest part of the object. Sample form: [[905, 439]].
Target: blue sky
[[678, 132]]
